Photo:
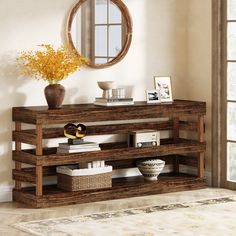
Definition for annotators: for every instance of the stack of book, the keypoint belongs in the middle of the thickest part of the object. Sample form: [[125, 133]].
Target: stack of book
[[114, 101], [78, 147]]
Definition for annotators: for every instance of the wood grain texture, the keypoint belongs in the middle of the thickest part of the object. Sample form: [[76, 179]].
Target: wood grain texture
[[39, 139], [218, 74], [39, 152], [136, 186], [188, 160], [24, 176], [119, 155], [91, 113], [25, 136], [201, 155], [188, 125], [223, 103], [110, 154], [175, 139], [18, 148], [39, 181], [29, 136], [28, 174], [201, 129], [201, 164]]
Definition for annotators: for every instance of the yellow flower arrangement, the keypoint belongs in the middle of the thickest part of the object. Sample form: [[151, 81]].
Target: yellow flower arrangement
[[50, 64]]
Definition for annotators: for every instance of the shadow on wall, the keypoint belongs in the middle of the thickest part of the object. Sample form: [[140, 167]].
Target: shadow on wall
[[10, 95], [11, 80]]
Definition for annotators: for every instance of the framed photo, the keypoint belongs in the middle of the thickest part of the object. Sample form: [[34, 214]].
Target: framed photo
[[163, 83], [153, 96]]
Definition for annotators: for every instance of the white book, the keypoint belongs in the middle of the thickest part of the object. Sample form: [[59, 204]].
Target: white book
[[102, 163], [101, 99], [110, 104], [78, 146], [82, 172], [94, 164], [92, 149]]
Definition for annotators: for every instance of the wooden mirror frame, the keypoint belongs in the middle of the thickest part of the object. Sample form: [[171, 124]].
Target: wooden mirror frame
[[128, 21]]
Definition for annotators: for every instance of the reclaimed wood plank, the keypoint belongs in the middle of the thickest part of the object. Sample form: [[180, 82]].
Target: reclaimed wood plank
[[24, 137], [29, 136], [91, 113], [18, 148], [188, 160], [112, 128], [201, 138], [117, 154], [24, 176], [28, 174], [26, 157], [188, 125], [175, 139], [109, 154], [122, 188]]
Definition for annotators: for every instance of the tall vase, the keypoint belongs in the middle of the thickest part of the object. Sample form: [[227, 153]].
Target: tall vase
[[54, 94]]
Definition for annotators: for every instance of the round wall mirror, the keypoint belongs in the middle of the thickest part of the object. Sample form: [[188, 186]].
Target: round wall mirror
[[100, 30]]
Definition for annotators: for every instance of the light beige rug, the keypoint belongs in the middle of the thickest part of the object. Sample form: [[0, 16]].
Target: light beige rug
[[207, 217]]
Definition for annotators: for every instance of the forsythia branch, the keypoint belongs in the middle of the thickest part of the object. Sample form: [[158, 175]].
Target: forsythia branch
[[50, 64]]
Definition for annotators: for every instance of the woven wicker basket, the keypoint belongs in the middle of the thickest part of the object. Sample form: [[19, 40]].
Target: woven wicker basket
[[76, 183]]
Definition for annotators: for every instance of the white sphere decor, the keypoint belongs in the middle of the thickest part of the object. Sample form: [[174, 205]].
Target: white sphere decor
[[150, 168]]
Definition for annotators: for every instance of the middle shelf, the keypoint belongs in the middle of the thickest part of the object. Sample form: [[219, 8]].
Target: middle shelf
[[116, 152]]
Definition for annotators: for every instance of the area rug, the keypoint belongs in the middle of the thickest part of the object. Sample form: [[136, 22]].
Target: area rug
[[206, 217]]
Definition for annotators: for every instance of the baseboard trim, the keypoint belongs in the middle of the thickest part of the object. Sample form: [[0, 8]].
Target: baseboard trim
[[6, 193]]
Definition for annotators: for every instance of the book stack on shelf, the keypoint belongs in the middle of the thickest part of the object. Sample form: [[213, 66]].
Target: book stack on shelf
[[114, 101], [78, 146]]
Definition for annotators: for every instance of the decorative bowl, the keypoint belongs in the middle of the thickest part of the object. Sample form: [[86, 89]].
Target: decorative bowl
[[106, 85], [151, 168]]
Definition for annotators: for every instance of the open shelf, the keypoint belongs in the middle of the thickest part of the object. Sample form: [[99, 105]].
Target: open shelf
[[179, 115], [29, 136], [181, 147], [121, 188]]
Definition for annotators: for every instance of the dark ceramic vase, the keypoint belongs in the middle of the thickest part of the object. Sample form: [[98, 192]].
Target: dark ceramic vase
[[54, 94]]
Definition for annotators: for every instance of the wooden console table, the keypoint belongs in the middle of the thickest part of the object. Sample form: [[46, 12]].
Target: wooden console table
[[43, 161]]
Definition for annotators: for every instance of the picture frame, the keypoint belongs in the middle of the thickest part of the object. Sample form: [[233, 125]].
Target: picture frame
[[163, 83], [153, 96]]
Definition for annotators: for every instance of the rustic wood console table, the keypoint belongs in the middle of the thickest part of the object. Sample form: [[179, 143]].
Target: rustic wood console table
[[43, 161]]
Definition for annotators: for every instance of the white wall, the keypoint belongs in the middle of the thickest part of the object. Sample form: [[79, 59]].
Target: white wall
[[160, 47]]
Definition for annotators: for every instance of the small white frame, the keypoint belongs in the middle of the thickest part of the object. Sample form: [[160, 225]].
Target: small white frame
[[153, 96], [163, 83]]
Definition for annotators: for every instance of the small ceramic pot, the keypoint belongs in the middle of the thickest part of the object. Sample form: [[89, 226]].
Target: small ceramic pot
[[151, 168], [54, 94]]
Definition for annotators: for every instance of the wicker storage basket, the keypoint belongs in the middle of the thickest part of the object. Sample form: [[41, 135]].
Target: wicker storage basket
[[84, 182]]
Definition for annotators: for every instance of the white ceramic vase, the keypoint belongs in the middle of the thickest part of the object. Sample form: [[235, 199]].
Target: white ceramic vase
[[151, 168]]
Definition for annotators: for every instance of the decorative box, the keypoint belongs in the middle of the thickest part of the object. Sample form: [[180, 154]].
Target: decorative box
[[71, 179]]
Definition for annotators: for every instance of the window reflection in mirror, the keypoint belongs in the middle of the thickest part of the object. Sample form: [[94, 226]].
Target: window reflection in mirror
[[98, 30]]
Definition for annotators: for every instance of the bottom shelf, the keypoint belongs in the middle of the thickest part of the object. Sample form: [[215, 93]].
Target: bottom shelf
[[121, 188]]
